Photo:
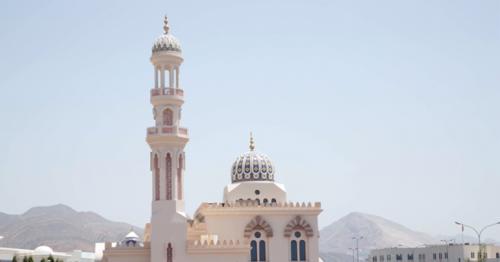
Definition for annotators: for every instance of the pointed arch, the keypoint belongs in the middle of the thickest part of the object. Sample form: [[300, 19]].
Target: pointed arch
[[298, 223], [156, 171], [169, 252], [168, 117], [179, 177], [168, 175], [258, 223]]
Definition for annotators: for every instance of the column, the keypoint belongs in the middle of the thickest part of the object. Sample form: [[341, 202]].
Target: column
[[177, 77], [162, 80], [171, 77], [156, 77]]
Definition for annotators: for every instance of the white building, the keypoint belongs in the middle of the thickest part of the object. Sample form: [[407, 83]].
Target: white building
[[6, 254], [435, 253], [254, 221]]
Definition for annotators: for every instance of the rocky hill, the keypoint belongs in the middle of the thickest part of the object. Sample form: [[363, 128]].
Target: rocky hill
[[60, 227], [377, 232]]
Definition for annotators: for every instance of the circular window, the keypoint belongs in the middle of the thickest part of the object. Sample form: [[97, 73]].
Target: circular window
[[257, 234], [257, 192], [297, 234]]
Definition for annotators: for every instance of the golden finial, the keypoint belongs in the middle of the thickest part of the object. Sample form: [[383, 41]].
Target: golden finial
[[165, 25], [252, 145]]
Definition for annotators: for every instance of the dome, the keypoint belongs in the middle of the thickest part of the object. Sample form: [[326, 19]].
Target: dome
[[252, 166], [166, 42], [44, 250], [131, 235]]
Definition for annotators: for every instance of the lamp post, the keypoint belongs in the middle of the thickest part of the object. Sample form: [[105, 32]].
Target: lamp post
[[478, 233], [352, 253], [357, 246]]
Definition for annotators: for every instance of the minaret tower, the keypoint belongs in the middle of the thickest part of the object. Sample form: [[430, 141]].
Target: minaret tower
[[167, 140]]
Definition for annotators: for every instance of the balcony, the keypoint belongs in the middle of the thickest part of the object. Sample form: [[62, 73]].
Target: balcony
[[167, 92], [168, 130]]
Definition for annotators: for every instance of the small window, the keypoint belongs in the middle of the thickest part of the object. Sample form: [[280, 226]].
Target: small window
[[374, 259], [257, 192], [388, 257], [440, 256], [297, 234], [446, 255], [381, 258], [410, 256], [257, 234], [498, 255], [265, 201], [472, 255], [434, 256]]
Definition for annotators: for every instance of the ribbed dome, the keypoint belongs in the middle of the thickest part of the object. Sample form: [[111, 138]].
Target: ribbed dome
[[166, 42], [252, 166]]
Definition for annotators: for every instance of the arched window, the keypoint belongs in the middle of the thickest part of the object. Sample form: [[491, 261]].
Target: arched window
[[262, 250], [298, 253], [168, 175], [253, 250], [179, 178], [156, 169], [257, 201], [293, 250], [265, 201], [302, 250], [258, 247], [168, 117], [169, 253], [273, 201]]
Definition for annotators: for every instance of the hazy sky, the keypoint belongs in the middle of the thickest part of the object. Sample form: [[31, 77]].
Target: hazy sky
[[385, 107]]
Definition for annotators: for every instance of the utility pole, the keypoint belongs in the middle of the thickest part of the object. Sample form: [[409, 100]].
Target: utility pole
[[357, 246]]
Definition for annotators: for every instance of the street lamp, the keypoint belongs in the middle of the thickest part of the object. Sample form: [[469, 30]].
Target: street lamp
[[357, 246], [478, 233], [353, 249]]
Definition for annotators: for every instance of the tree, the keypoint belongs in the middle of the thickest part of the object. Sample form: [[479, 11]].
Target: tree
[[25, 259], [14, 258], [30, 259], [43, 260], [50, 259]]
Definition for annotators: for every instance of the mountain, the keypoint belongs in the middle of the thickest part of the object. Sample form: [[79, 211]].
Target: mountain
[[60, 227], [377, 232]]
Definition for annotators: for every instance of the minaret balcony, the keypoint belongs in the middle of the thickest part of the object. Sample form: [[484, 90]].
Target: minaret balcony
[[167, 92], [168, 130]]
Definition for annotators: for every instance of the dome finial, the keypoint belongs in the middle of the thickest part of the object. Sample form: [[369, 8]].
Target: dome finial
[[165, 25], [252, 145]]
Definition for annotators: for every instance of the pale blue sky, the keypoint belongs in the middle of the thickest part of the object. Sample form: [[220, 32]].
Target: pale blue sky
[[385, 107]]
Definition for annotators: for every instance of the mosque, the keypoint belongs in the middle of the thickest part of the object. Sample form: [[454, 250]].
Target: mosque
[[254, 221]]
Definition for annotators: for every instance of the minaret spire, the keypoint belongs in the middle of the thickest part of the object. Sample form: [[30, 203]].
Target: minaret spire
[[166, 28], [252, 144]]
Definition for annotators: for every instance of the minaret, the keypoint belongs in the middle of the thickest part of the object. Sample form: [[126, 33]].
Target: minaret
[[167, 140]]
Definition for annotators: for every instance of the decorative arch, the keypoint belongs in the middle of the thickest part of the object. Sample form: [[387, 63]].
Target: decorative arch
[[168, 117], [179, 177], [258, 223], [169, 252], [298, 223], [156, 171], [168, 176]]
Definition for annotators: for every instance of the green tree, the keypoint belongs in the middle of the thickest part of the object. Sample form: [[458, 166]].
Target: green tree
[[30, 259], [14, 259], [25, 259], [50, 259], [43, 260]]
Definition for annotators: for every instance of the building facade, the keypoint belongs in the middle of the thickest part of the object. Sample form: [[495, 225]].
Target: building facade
[[436, 253], [253, 222]]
